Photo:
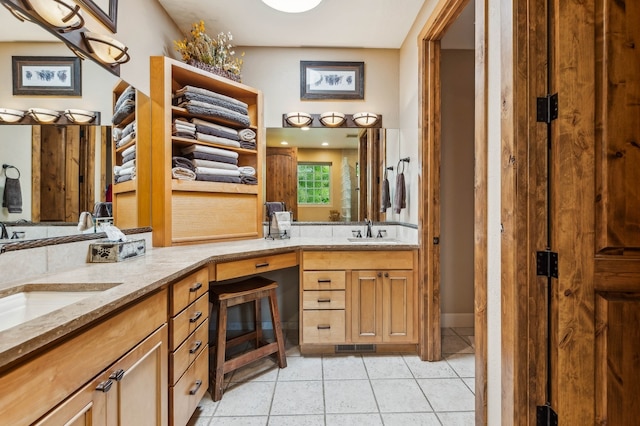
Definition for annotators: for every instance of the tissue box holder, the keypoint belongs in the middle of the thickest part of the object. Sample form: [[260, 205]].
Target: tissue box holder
[[105, 251]]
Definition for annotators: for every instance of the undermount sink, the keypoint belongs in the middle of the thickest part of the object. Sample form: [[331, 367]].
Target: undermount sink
[[35, 300], [375, 240]]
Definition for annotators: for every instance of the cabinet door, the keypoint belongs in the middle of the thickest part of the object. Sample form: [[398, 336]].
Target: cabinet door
[[87, 407], [399, 299], [140, 379], [366, 306]]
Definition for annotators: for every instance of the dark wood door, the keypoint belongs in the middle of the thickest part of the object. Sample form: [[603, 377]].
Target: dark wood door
[[282, 177], [596, 212]]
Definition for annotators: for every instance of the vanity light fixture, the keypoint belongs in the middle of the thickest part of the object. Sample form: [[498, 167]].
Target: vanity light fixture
[[292, 6], [298, 119], [63, 15], [79, 116], [42, 115], [8, 115], [106, 49], [365, 119], [332, 119]]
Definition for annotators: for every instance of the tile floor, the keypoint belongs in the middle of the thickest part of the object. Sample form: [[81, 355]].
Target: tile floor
[[350, 389]]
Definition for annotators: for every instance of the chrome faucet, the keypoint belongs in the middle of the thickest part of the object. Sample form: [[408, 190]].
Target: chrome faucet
[[3, 231], [369, 225]]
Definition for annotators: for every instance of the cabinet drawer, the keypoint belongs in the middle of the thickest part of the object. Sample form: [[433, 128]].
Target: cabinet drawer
[[353, 259], [255, 265], [187, 393], [187, 352], [188, 289], [323, 326], [323, 280], [312, 299], [183, 324]]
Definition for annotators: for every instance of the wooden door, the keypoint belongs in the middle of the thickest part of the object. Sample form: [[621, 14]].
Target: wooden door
[[398, 300], [282, 177], [366, 306]]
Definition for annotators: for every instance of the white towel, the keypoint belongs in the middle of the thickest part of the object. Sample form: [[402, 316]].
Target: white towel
[[183, 173], [217, 139], [247, 135], [219, 172], [129, 150], [281, 222], [213, 164], [209, 149], [247, 171], [85, 222], [129, 164]]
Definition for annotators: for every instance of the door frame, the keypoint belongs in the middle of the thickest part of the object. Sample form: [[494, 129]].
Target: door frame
[[443, 15]]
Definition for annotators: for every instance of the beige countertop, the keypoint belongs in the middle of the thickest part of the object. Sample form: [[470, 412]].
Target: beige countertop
[[137, 277]]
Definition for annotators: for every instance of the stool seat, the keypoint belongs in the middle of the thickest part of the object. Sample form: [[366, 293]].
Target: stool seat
[[253, 289]]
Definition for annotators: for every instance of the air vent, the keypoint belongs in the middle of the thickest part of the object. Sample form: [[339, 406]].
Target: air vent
[[355, 348], [351, 135]]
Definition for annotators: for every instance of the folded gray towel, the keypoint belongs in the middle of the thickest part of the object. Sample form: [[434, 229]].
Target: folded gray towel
[[183, 162], [274, 206], [249, 180], [217, 178], [399, 201], [12, 198]]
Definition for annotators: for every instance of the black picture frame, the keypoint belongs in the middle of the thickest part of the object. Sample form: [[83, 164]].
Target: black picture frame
[[107, 15], [47, 76], [329, 80]]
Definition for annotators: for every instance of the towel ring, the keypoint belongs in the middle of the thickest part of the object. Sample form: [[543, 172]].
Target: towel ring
[[8, 166], [402, 161]]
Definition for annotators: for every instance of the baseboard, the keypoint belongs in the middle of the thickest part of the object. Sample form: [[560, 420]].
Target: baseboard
[[456, 320]]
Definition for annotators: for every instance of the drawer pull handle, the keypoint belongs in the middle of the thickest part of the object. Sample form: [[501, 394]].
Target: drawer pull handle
[[104, 386], [117, 375], [195, 288], [262, 265], [196, 317], [324, 281], [324, 326], [195, 347], [324, 300], [196, 387]]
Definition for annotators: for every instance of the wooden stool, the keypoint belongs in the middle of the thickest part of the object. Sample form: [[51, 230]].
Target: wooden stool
[[224, 296]]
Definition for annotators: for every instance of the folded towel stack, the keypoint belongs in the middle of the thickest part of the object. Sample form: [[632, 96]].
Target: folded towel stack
[[247, 139], [123, 174], [181, 168], [207, 103], [184, 129], [125, 105]]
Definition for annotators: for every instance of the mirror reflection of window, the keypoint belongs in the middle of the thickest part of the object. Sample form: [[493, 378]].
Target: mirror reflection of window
[[314, 183]]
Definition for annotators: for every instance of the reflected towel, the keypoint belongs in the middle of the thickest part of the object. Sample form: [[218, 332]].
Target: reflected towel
[[385, 198], [399, 201], [85, 222], [281, 222], [12, 198], [274, 206]]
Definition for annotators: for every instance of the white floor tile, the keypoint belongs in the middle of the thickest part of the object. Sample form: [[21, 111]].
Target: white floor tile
[[246, 399], [343, 367], [457, 419], [206, 407], [428, 370], [448, 394], [301, 368], [463, 364], [298, 397], [354, 420], [263, 370], [349, 396], [471, 383], [413, 419], [400, 396], [240, 421], [315, 420], [386, 367]]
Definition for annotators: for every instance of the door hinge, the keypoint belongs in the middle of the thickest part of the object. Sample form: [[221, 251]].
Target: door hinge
[[545, 416], [547, 264], [547, 108]]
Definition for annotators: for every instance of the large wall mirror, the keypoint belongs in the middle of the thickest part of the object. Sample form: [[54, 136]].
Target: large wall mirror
[[327, 174], [64, 169]]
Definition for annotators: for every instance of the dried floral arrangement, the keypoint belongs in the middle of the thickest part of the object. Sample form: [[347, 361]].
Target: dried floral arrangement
[[217, 52]]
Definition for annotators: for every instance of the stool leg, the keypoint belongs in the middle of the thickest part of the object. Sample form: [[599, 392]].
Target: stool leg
[[258, 323], [277, 328], [221, 343]]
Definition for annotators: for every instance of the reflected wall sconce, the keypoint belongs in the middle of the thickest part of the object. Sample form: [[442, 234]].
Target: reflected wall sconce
[[8, 115], [332, 119], [61, 14], [298, 119], [365, 119], [79, 116], [42, 115], [107, 50]]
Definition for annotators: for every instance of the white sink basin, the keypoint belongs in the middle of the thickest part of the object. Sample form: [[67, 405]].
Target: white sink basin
[[375, 240], [23, 306]]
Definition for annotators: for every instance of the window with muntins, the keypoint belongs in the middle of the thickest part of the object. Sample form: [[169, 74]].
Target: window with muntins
[[314, 183]]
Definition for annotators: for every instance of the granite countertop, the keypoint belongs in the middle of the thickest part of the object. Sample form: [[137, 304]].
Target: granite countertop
[[132, 279]]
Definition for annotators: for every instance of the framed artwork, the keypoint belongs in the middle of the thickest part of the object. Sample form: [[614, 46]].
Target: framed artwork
[[106, 11], [331, 80], [46, 75]]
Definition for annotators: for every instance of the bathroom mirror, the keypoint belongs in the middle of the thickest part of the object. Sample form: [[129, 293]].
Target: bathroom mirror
[[18, 142], [327, 174]]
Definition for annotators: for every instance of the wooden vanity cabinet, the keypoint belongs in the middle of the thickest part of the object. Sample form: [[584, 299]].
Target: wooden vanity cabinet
[[67, 383], [378, 304], [188, 344]]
